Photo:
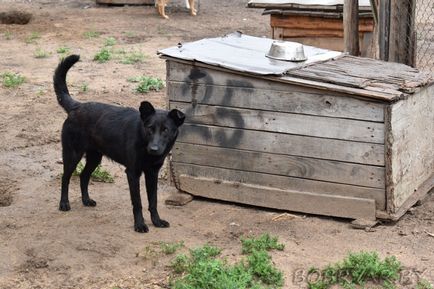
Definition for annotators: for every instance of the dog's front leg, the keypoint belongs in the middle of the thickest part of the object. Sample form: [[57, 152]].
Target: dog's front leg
[[134, 183], [151, 178]]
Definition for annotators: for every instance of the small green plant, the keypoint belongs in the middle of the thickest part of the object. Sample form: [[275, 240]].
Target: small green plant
[[133, 57], [146, 83], [98, 175], [33, 37], [63, 50], [424, 284], [103, 55], [170, 248], [8, 35], [91, 34], [203, 269], [357, 269], [263, 242], [84, 87], [110, 41], [130, 34], [11, 80], [41, 53]]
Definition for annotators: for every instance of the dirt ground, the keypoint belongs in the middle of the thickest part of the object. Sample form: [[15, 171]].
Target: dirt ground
[[41, 247]]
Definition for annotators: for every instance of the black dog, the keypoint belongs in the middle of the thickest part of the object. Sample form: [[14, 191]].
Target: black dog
[[139, 140]]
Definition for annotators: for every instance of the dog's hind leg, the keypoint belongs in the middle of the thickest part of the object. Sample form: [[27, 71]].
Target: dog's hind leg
[[70, 161], [151, 178], [93, 159]]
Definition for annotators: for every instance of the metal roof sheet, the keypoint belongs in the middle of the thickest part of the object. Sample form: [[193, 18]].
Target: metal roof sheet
[[244, 53]]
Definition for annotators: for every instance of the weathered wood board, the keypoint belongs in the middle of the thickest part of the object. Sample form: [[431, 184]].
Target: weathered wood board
[[126, 2], [410, 146]]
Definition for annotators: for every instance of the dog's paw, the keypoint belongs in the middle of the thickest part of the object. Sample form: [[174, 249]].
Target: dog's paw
[[161, 223], [64, 206], [89, 202], [141, 228]]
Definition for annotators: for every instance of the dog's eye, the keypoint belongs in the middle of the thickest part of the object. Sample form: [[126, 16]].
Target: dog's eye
[[165, 129]]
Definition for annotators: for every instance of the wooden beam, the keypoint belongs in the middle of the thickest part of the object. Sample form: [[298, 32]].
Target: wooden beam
[[401, 36], [384, 28], [351, 24]]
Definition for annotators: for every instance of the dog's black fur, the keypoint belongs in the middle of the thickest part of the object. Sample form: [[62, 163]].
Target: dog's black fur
[[139, 140]]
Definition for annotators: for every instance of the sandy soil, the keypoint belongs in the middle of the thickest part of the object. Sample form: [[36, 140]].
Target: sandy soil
[[41, 247]]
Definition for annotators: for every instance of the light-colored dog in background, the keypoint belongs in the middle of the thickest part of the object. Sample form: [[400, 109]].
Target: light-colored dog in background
[[161, 5]]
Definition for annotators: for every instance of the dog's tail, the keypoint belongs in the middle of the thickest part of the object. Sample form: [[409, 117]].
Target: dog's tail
[[59, 79]]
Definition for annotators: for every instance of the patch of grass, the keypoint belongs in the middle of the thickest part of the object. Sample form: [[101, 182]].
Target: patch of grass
[[103, 55], [147, 83], [33, 37], [63, 50], [357, 269], [84, 87], [263, 242], [91, 34], [170, 248], [203, 269], [110, 41], [424, 284], [41, 53], [129, 34], [98, 175], [8, 35], [11, 80], [133, 57]]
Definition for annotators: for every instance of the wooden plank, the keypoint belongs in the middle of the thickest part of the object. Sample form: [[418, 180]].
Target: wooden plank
[[283, 165], [201, 73], [292, 99], [282, 182], [302, 33], [331, 149], [325, 127], [338, 206], [316, 23], [410, 146], [401, 29], [126, 2], [351, 24], [364, 73]]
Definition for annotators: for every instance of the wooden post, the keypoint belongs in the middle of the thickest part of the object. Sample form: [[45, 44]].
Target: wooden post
[[384, 28], [351, 26], [401, 46]]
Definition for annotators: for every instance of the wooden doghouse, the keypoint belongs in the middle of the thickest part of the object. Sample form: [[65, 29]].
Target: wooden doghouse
[[317, 25], [343, 136]]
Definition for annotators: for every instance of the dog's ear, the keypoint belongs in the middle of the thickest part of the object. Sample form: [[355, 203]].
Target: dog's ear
[[146, 110], [177, 116]]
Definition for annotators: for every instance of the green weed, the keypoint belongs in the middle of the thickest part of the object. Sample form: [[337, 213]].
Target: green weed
[[63, 50], [203, 269], [84, 87], [11, 80], [98, 175], [8, 35], [263, 242], [170, 248], [103, 55], [133, 57], [357, 269], [91, 34], [424, 284], [145, 83], [33, 37], [110, 41], [41, 53]]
